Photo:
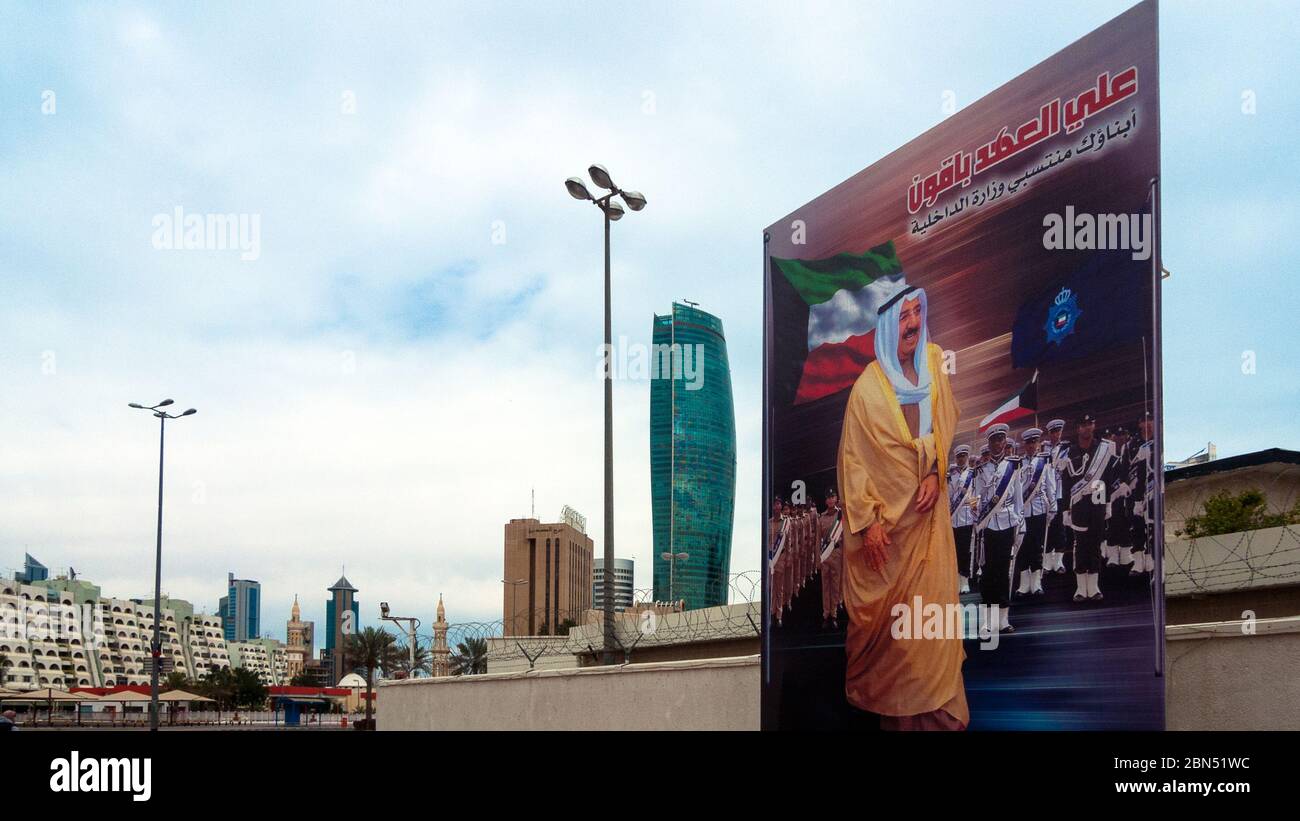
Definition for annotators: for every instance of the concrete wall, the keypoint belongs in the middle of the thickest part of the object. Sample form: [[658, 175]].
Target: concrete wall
[[1232, 561], [713, 694], [1218, 677]]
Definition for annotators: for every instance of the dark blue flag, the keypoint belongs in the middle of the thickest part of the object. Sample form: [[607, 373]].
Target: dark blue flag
[[1099, 304]]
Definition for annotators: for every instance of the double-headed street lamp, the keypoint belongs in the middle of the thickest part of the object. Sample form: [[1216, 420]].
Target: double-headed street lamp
[[613, 212], [155, 647]]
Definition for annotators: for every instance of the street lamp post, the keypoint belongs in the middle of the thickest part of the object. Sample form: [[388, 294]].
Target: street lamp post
[[514, 628], [613, 211], [672, 559], [155, 647]]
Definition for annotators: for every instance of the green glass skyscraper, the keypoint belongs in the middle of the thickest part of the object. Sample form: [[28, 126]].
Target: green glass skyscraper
[[692, 457]]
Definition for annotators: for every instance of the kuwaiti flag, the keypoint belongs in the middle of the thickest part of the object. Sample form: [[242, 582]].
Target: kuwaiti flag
[[1023, 402], [843, 293]]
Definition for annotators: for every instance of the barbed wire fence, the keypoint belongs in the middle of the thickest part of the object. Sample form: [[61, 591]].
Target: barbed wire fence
[[1231, 561], [512, 644]]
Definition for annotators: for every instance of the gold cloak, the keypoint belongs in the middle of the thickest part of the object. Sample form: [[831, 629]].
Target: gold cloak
[[880, 470]]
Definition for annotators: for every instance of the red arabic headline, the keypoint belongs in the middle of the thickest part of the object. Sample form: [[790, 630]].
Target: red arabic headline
[[959, 168]]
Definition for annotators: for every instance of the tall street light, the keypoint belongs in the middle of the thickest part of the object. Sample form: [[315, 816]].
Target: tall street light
[[673, 559], [514, 628], [155, 647], [613, 211]]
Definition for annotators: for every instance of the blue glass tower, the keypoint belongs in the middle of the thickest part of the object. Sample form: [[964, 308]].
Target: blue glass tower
[[240, 609], [692, 457]]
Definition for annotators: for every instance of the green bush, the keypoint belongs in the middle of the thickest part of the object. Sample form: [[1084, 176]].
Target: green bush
[[1227, 512]]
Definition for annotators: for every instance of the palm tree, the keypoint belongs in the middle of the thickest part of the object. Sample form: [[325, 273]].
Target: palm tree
[[218, 684], [374, 650], [423, 661], [176, 680], [470, 658]]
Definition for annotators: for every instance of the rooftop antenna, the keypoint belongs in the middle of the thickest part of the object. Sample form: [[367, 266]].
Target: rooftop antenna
[[532, 503], [692, 304]]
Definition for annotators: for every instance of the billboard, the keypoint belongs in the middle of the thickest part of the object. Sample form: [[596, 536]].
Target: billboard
[[962, 406]]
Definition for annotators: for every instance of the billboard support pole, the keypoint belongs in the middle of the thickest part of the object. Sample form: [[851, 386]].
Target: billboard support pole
[[1157, 412], [765, 506]]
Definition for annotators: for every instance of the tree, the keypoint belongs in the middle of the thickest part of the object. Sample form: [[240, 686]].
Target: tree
[[302, 680], [219, 685], [1227, 512], [470, 658], [4, 662], [423, 661], [175, 680], [250, 692], [373, 650]]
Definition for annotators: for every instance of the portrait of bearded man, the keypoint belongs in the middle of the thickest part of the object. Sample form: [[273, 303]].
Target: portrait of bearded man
[[898, 541]]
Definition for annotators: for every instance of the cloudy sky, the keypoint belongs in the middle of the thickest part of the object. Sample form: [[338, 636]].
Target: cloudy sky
[[415, 346]]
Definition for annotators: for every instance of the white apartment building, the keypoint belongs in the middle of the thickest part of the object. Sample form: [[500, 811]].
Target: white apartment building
[[122, 655], [205, 644], [266, 657], [51, 640], [172, 646]]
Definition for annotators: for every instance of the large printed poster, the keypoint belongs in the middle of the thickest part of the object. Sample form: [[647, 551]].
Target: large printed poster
[[962, 417]]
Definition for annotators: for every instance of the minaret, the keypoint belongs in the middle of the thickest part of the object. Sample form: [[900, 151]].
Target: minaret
[[295, 651], [441, 655]]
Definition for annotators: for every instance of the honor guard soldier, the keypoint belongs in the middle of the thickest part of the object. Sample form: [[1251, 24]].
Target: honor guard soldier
[[1088, 473], [1038, 495], [812, 530], [961, 489], [776, 553], [1142, 472], [1119, 526], [1058, 535], [832, 559], [1000, 520]]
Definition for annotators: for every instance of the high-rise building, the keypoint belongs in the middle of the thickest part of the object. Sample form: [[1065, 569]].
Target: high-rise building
[[692, 458], [33, 571], [240, 609], [547, 576], [342, 618], [623, 591]]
